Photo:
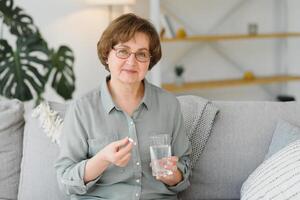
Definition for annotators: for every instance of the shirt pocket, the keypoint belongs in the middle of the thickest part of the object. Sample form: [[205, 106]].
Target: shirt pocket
[[96, 145]]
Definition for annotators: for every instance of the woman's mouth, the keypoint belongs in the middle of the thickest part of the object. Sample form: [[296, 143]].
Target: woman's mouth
[[129, 70]]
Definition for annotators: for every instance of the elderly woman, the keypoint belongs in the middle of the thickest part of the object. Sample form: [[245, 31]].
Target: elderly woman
[[104, 149]]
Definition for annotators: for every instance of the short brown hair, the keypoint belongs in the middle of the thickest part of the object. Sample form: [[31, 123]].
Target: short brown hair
[[122, 29]]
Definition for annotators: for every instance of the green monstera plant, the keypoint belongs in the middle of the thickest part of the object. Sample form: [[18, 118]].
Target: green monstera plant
[[26, 68]]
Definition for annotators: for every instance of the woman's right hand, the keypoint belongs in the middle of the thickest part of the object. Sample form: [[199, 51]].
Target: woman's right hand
[[117, 152]]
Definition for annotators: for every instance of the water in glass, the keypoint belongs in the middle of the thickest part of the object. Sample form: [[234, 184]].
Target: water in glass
[[158, 154]]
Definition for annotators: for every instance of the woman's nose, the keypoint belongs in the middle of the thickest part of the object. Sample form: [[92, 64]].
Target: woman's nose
[[131, 59]]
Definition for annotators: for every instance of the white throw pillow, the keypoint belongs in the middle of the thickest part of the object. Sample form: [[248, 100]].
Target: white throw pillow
[[277, 178]]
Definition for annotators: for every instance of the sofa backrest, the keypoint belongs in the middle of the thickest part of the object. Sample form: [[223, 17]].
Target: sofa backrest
[[237, 145]]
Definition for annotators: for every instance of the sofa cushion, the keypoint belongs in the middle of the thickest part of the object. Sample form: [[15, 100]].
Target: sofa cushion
[[284, 134], [38, 176], [11, 140], [277, 178]]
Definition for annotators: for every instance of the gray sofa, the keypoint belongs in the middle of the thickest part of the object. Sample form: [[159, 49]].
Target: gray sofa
[[238, 143]]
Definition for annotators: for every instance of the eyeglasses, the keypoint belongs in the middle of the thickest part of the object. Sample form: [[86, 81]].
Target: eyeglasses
[[141, 55]]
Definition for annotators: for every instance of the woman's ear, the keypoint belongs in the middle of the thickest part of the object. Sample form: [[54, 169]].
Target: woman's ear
[[106, 57], [106, 61]]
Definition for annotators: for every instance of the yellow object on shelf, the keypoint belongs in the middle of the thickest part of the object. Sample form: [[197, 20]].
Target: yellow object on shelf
[[180, 33], [248, 75]]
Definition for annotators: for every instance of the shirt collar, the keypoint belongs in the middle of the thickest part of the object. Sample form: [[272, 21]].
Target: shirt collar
[[108, 102], [147, 95], [106, 98]]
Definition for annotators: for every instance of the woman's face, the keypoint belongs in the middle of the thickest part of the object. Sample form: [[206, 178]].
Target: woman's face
[[130, 70]]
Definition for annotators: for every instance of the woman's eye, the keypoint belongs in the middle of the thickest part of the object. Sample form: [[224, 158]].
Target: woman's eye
[[123, 52], [142, 54]]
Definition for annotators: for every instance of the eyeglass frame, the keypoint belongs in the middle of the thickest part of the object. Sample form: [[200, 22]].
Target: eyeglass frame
[[130, 52]]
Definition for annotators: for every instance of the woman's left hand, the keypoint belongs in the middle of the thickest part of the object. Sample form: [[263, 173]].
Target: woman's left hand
[[176, 175]]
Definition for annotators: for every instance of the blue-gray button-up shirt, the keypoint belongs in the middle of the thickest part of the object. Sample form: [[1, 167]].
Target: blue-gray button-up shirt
[[94, 120]]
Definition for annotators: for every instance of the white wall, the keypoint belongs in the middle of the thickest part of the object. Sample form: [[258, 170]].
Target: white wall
[[79, 26], [294, 46]]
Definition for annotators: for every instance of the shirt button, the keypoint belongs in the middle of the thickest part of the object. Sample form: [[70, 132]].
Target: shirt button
[[138, 163], [137, 194], [131, 123], [137, 180]]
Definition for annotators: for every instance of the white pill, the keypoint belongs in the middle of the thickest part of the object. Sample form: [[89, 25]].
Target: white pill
[[132, 141]]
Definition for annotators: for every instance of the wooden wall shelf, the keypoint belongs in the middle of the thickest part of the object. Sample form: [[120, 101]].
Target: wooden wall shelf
[[211, 38], [229, 83]]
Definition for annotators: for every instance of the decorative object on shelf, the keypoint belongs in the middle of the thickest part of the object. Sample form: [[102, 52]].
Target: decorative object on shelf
[[26, 68], [179, 80], [252, 28], [248, 75], [284, 97], [180, 33]]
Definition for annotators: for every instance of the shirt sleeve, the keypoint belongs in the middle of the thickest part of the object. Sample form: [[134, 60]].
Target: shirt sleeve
[[73, 154], [181, 148]]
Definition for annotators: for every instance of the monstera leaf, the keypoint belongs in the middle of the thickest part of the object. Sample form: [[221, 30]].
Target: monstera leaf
[[23, 71], [20, 24], [63, 78]]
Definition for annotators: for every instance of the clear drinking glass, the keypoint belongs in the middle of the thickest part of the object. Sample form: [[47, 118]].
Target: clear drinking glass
[[160, 150]]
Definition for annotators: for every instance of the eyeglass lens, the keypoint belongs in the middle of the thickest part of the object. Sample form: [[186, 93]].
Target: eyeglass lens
[[141, 55]]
